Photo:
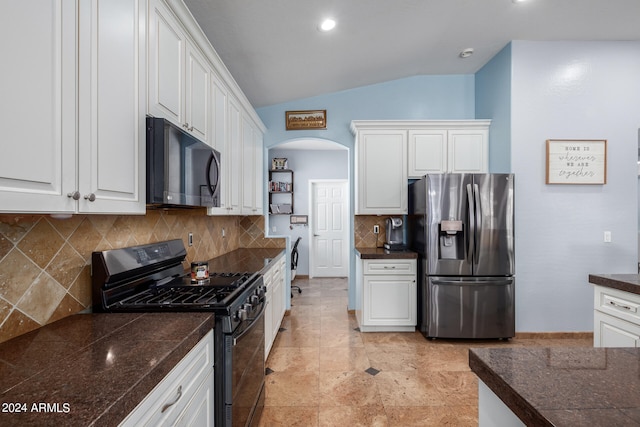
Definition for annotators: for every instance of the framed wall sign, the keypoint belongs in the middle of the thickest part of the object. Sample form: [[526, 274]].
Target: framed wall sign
[[311, 119], [299, 219], [574, 161]]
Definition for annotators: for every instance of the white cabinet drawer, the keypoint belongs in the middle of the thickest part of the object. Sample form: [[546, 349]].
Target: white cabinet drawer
[[168, 399], [275, 270], [621, 304], [396, 266], [610, 331]]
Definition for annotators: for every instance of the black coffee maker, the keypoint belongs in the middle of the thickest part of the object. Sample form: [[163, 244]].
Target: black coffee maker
[[395, 234]]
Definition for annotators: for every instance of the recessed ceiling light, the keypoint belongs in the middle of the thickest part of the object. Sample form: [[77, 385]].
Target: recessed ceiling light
[[327, 25], [466, 52], [518, 1]]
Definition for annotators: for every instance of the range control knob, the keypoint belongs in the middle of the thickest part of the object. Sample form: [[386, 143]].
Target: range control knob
[[247, 307], [241, 314], [255, 299]]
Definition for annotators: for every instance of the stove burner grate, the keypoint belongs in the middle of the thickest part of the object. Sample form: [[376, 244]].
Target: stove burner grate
[[178, 295]]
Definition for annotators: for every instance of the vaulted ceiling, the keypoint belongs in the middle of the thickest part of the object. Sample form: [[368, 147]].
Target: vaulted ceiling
[[276, 53]]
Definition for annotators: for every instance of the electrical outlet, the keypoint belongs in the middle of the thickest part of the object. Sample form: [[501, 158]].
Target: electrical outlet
[[607, 237], [190, 239], [376, 229], [223, 232]]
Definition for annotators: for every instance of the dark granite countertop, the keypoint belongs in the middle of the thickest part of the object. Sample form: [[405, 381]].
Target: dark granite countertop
[[562, 386], [244, 260], [92, 369], [381, 253], [623, 282]]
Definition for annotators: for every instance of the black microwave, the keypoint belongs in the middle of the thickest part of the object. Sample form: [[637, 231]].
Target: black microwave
[[182, 171]]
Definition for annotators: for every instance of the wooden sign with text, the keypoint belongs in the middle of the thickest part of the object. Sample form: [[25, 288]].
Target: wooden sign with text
[[572, 161]]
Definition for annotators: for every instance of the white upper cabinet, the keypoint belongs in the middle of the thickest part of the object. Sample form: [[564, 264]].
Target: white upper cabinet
[[468, 150], [390, 152], [453, 146], [219, 116], [231, 154], [189, 85], [84, 87], [38, 161], [252, 176], [179, 76], [198, 114], [427, 152], [111, 121], [233, 163], [381, 171], [167, 45]]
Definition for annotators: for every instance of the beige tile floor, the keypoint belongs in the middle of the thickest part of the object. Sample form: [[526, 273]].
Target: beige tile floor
[[327, 373]]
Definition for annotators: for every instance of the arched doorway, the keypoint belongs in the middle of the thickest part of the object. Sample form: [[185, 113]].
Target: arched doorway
[[311, 160]]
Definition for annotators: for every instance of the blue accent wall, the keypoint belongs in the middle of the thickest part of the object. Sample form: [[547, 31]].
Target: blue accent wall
[[493, 101], [532, 91], [412, 98]]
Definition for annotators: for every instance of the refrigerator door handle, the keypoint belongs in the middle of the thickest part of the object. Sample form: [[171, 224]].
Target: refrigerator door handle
[[472, 224], [478, 214], [503, 282]]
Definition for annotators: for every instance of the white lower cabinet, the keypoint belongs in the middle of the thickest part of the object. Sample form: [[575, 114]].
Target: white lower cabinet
[[610, 331], [185, 397], [274, 280], [616, 318], [388, 293]]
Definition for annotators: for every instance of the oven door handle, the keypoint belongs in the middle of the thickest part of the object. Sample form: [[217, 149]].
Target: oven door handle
[[252, 322]]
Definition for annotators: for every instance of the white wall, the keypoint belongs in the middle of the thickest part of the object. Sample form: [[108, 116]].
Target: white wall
[[307, 165], [572, 90]]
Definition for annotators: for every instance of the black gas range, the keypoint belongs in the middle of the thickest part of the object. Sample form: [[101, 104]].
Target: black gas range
[[152, 277]]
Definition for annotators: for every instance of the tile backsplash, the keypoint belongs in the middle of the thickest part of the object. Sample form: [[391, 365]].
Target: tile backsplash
[[45, 263], [363, 231]]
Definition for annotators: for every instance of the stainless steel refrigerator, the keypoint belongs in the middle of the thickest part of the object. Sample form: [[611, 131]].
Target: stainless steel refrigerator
[[462, 226]]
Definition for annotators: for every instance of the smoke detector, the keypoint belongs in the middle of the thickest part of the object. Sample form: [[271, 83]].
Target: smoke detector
[[466, 52]]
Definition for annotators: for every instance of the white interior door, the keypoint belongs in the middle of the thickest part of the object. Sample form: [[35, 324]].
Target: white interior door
[[328, 255]]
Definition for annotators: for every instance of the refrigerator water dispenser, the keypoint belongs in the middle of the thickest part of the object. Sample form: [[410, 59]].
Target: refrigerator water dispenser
[[451, 240]]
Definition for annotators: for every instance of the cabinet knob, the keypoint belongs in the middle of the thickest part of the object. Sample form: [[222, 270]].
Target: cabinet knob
[[75, 195], [90, 197]]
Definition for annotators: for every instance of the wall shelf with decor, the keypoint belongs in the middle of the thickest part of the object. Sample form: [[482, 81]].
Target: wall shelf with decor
[[280, 191]]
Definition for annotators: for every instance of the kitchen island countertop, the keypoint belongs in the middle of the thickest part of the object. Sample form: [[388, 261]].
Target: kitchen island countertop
[[564, 386], [623, 282]]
